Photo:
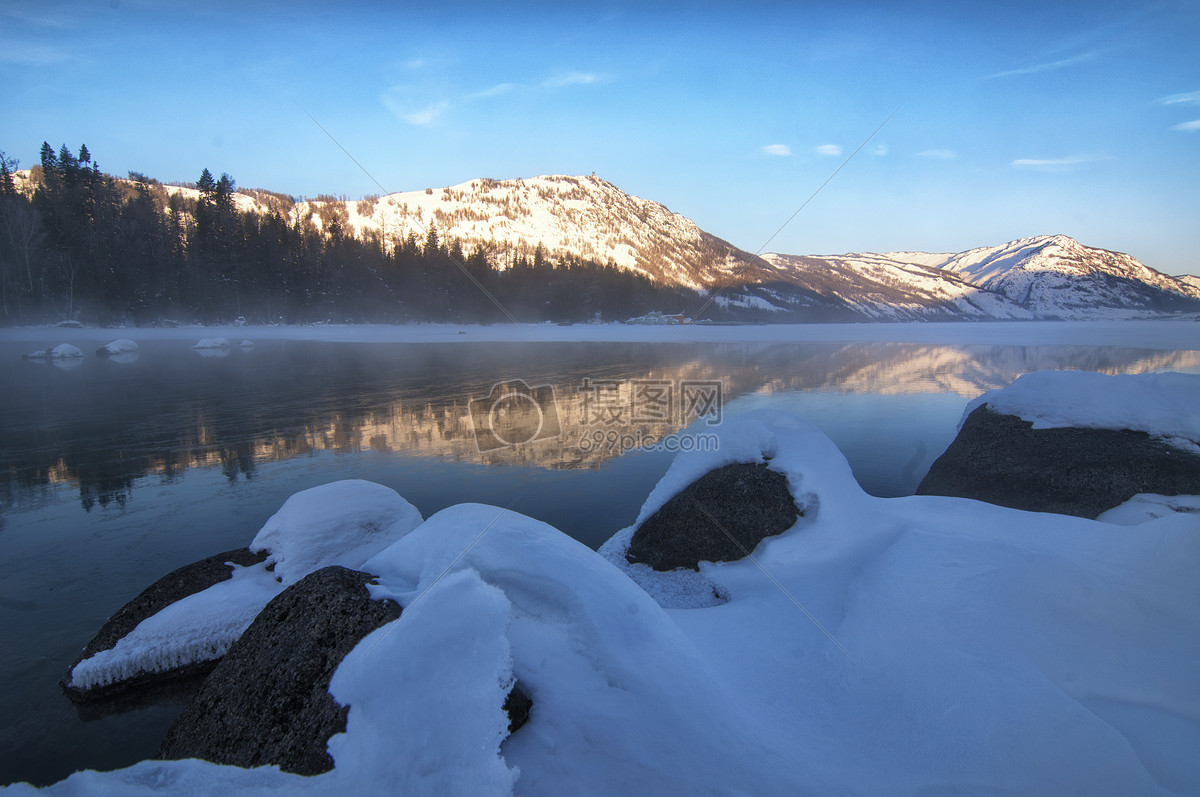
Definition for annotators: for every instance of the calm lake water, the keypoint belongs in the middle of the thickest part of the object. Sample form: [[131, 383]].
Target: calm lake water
[[114, 473]]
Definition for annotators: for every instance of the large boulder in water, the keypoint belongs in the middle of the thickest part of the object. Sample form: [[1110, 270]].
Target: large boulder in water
[[186, 621], [171, 588], [720, 517], [1004, 460]]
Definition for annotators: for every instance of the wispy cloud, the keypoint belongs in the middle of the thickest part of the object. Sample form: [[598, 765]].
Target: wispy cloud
[[494, 91], [417, 105], [427, 115], [1187, 127], [1190, 98], [1047, 67], [880, 150], [410, 110], [1058, 164], [33, 54], [575, 79], [781, 150], [40, 17], [938, 154], [830, 150]]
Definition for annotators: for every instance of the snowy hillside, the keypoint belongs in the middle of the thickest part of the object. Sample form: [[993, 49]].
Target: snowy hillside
[[1056, 275], [879, 288], [582, 217], [1041, 277]]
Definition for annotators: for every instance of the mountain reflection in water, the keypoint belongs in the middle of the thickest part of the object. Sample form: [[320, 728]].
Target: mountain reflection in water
[[104, 424]]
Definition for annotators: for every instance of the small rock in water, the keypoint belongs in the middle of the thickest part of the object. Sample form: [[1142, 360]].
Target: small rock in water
[[120, 346], [63, 351]]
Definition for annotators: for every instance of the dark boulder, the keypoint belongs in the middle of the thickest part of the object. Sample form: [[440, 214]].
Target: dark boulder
[[268, 700], [720, 517], [176, 585], [1002, 459]]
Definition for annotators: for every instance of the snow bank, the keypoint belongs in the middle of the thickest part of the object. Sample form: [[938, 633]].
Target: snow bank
[[1166, 405], [923, 644], [342, 523], [396, 732], [903, 646], [622, 701]]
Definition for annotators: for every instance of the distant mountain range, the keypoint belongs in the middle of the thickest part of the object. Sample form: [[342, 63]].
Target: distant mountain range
[[1044, 277]]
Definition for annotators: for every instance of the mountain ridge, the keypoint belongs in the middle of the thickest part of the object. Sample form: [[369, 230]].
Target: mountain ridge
[[588, 218], [1047, 276]]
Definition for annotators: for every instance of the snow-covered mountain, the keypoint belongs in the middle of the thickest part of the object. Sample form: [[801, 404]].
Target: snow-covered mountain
[[1050, 276], [1057, 275], [587, 217], [582, 217]]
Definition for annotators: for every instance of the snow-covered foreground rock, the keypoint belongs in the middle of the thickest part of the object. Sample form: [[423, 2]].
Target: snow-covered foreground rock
[[901, 646], [342, 523]]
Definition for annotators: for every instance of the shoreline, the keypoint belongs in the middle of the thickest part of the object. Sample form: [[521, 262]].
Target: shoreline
[[1180, 333]]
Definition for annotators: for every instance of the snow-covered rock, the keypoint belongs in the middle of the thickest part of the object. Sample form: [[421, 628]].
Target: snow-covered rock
[[117, 347], [191, 631], [1166, 405], [63, 351], [1075, 442], [212, 343], [341, 523]]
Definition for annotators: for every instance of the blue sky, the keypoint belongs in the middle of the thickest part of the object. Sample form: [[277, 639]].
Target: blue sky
[[1010, 119]]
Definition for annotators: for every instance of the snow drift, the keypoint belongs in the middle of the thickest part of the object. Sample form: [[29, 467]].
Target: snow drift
[[904, 646]]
